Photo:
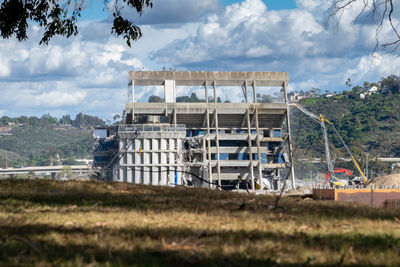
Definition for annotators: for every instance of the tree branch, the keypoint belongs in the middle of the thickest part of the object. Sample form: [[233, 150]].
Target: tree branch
[[383, 8]]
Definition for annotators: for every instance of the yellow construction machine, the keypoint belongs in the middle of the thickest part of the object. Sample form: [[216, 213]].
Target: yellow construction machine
[[332, 176]]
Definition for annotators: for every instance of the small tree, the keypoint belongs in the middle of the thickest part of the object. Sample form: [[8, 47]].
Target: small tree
[[391, 84], [155, 99], [66, 173]]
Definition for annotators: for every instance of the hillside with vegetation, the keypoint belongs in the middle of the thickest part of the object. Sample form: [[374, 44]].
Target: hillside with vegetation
[[368, 120], [33, 141]]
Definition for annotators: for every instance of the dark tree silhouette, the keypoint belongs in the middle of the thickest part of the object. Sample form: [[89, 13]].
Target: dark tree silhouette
[[59, 17], [383, 10], [155, 99]]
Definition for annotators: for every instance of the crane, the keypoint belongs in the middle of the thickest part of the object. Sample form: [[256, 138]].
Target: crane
[[331, 177]]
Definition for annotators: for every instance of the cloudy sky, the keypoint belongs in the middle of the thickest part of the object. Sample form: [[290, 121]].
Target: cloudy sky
[[89, 73]]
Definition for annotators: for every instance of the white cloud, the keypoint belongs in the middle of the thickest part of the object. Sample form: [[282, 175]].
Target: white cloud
[[28, 95], [172, 13], [313, 4], [69, 75], [4, 69], [376, 66], [247, 36], [89, 73], [55, 98]]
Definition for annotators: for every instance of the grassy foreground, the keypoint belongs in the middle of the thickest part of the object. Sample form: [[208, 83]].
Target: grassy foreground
[[79, 223]]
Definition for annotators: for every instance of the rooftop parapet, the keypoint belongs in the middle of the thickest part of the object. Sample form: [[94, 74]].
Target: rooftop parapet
[[197, 78]]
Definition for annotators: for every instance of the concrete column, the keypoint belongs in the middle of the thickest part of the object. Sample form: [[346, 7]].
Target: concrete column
[[133, 101], [174, 117], [259, 165], [171, 160], [217, 135], [146, 160], [204, 169], [249, 144], [289, 136], [210, 178], [155, 160], [122, 145], [164, 174], [129, 161], [179, 161], [138, 160], [169, 91]]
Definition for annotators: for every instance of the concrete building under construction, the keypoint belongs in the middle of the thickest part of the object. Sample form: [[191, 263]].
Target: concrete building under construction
[[244, 145]]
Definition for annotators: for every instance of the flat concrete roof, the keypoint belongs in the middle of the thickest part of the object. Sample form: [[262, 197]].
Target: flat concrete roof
[[197, 78]]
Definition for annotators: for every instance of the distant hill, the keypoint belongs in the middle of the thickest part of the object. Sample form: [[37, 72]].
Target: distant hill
[[368, 122], [30, 145], [31, 141]]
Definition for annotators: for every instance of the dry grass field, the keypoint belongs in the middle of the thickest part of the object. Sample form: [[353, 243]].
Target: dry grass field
[[46, 223]]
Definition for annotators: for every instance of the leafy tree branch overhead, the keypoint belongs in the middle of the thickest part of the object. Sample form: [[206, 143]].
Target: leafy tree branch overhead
[[383, 12], [60, 17]]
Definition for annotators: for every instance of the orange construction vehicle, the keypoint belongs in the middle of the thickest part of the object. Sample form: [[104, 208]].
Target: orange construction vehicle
[[344, 175]]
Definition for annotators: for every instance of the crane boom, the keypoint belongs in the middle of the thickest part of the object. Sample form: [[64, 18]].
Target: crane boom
[[321, 120], [351, 155]]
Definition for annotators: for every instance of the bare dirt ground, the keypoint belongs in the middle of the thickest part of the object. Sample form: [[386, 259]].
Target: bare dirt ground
[[299, 191], [386, 180]]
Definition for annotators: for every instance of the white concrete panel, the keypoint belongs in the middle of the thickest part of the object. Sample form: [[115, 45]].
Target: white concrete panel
[[129, 161], [155, 160], [146, 160], [171, 160], [170, 92], [164, 147], [122, 144], [138, 160], [179, 160]]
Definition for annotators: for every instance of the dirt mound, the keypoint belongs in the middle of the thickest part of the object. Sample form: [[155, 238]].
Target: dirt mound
[[299, 191], [387, 180]]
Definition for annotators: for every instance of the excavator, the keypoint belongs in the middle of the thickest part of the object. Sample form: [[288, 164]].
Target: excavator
[[334, 176]]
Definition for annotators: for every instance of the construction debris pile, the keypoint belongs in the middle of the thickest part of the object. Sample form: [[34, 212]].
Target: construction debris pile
[[386, 180]]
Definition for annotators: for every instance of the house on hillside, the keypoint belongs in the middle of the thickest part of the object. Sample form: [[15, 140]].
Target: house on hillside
[[328, 95], [369, 91], [5, 130], [296, 97]]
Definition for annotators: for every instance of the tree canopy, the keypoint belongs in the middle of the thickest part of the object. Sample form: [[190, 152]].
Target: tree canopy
[[60, 17]]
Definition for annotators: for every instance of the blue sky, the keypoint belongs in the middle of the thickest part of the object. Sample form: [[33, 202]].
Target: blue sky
[[89, 72], [272, 4], [97, 12]]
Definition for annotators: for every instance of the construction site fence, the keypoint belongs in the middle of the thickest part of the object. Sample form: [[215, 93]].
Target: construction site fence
[[325, 186], [370, 195]]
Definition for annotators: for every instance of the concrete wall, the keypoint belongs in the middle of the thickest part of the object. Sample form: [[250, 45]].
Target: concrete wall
[[152, 158]]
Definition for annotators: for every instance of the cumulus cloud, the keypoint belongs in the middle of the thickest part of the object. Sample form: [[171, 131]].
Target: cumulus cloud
[[89, 72], [172, 13], [248, 36], [40, 95], [70, 75], [376, 66]]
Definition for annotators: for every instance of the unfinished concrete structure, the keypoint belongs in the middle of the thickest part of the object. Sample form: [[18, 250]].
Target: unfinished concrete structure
[[231, 145]]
